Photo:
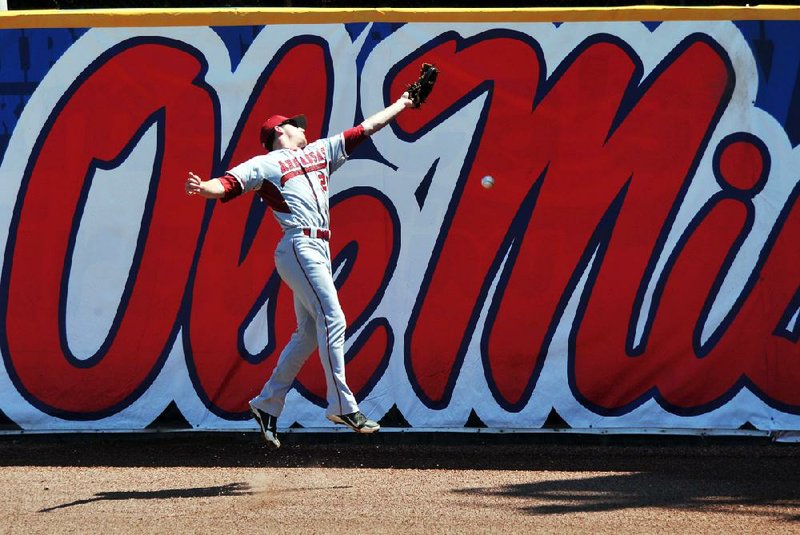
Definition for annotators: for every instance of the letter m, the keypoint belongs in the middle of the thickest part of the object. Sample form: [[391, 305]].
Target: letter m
[[593, 152]]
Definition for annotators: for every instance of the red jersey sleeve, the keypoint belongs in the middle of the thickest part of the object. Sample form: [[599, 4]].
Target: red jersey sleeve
[[232, 187], [353, 138]]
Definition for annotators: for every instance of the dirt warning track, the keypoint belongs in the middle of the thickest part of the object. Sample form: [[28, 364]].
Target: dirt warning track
[[230, 482]]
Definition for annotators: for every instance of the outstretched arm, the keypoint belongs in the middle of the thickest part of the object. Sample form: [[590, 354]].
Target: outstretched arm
[[377, 121], [210, 189]]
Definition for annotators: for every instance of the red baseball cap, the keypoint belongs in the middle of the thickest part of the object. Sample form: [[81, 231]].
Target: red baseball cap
[[268, 128]]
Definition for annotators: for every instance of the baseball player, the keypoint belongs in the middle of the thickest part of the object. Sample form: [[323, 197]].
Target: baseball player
[[292, 177]]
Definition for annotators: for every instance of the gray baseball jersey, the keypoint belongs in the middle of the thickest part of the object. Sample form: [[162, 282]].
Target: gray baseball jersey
[[295, 181]]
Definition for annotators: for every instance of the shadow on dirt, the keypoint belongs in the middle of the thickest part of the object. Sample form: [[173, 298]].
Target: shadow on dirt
[[232, 489], [745, 476], [613, 492]]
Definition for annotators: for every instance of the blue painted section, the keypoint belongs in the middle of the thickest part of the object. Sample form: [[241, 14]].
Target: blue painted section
[[237, 40], [776, 47], [355, 29], [25, 58], [377, 33]]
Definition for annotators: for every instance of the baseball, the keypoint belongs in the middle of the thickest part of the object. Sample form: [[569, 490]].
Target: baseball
[[487, 182]]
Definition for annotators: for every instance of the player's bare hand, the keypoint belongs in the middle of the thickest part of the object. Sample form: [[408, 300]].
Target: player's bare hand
[[405, 100], [193, 184]]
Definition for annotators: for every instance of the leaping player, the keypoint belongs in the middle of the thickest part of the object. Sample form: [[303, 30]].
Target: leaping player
[[292, 177]]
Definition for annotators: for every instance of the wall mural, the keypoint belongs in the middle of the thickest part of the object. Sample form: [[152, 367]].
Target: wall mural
[[634, 266]]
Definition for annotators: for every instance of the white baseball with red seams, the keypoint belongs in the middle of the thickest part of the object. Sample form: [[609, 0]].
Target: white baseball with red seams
[[294, 182]]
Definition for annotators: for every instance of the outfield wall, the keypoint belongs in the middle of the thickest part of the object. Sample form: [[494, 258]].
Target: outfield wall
[[636, 265]]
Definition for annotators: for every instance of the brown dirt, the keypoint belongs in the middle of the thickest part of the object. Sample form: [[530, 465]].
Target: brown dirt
[[230, 482]]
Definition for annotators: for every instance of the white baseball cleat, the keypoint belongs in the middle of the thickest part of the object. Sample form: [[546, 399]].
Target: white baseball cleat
[[355, 421]]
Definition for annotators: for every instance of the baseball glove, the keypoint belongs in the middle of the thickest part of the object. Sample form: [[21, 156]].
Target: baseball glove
[[418, 91]]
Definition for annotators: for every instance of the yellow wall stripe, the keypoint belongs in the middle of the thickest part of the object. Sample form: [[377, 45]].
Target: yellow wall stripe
[[260, 16]]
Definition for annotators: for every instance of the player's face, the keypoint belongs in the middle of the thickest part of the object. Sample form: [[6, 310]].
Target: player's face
[[295, 136]]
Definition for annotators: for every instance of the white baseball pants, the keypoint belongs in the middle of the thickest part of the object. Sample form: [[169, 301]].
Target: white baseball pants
[[304, 264]]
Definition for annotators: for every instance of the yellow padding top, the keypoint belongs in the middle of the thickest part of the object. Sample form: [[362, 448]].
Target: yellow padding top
[[84, 18]]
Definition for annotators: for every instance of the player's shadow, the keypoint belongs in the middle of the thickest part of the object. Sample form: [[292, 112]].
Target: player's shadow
[[231, 489], [613, 492]]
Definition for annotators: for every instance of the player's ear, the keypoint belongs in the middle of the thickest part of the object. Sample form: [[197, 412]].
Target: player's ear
[[276, 132]]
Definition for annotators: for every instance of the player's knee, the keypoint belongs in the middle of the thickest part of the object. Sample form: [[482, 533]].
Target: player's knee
[[306, 336], [338, 317], [336, 322], [306, 343]]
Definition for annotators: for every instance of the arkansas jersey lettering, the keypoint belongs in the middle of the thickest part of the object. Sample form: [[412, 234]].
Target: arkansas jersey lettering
[[303, 170]]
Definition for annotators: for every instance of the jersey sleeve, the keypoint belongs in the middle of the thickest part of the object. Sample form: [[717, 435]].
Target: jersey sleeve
[[232, 187], [340, 146], [334, 147], [250, 174], [353, 138]]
